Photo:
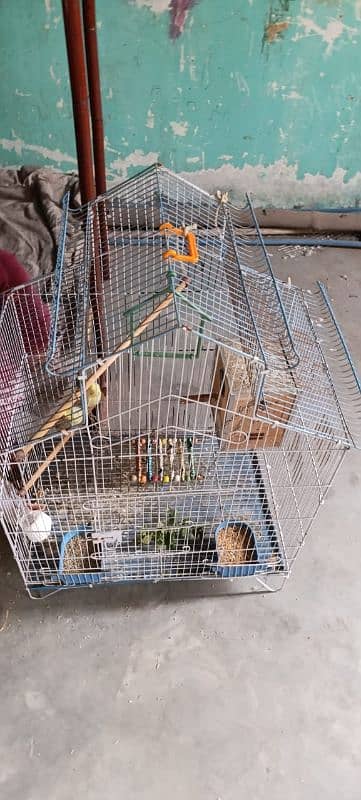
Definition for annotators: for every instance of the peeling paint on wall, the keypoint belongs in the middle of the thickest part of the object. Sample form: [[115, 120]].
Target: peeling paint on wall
[[150, 119], [280, 185], [292, 95], [179, 128], [53, 76], [201, 102], [157, 6], [178, 10], [136, 159], [20, 147], [333, 30]]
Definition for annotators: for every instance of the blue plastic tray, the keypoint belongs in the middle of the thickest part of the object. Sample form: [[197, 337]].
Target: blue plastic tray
[[76, 578], [261, 547]]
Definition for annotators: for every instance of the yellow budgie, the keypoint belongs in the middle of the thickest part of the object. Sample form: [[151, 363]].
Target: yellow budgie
[[93, 396], [73, 417], [70, 418]]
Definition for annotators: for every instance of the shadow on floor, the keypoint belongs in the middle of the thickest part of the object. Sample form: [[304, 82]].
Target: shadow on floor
[[14, 594]]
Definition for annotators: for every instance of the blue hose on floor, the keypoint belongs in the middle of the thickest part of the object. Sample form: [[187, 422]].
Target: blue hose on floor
[[277, 241]]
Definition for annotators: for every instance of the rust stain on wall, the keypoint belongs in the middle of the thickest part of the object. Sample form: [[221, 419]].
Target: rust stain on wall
[[277, 22], [274, 30]]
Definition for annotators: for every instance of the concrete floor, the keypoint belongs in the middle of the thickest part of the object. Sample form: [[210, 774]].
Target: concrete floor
[[160, 692]]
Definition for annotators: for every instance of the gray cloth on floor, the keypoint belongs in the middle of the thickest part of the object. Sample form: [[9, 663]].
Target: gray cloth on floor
[[30, 214]]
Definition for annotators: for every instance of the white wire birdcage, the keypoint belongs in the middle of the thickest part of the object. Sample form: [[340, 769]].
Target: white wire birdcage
[[230, 401]]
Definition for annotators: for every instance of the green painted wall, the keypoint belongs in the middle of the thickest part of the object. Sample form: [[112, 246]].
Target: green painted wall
[[252, 95]]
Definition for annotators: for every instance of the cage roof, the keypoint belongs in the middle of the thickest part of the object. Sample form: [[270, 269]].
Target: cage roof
[[143, 231], [175, 257]]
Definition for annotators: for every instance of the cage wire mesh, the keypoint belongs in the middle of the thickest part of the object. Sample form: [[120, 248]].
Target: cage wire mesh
[[230, 281], [231, 399], [28, 393]]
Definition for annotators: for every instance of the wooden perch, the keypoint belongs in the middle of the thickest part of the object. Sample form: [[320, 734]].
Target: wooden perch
[[42, 467], [92, 378]]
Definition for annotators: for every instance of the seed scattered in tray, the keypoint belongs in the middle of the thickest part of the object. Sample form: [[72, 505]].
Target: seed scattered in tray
[[235, 545], [77, 555]]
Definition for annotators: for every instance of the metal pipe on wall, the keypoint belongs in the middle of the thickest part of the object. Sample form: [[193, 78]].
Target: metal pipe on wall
[[95, 98], [73, 26], [91, 51], [79, 91]]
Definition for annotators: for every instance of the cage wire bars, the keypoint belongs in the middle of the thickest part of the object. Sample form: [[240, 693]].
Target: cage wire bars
[[231, 400]]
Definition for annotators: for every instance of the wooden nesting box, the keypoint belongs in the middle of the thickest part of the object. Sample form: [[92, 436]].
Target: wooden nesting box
[[234, 396]]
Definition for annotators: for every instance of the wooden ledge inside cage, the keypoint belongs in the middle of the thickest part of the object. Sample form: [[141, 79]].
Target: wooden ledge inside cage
[[238, 414]]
